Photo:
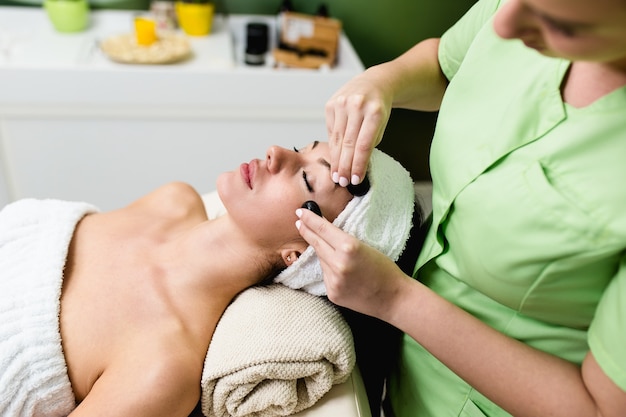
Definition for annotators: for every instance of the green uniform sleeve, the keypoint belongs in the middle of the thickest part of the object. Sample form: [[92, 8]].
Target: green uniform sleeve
[[457, 40], [607, 333]]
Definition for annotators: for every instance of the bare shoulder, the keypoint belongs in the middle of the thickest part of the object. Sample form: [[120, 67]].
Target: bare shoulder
[[156, 383], [174, 200]]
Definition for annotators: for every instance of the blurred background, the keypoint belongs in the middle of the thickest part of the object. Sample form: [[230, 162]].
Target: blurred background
[[378, 30]]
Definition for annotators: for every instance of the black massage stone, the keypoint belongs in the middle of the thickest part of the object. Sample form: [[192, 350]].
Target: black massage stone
[[312, 205]]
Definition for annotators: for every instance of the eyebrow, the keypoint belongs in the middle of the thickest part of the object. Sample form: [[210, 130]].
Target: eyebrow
[[324, 162], [320, 160]]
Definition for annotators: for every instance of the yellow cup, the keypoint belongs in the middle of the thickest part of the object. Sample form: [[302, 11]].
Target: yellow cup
[[195, 18], [145, 31]]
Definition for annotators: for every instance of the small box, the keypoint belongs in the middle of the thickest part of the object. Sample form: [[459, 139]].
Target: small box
[[307, 41]]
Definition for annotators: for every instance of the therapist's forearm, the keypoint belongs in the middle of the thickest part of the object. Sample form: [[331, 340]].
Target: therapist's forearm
[[517, 377], [415, 77]]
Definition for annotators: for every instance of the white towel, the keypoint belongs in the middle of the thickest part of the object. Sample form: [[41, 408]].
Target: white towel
[[275, 352], [34, 240], [381, 218]]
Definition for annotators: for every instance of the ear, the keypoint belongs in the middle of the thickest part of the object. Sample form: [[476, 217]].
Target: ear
[[290, 255]]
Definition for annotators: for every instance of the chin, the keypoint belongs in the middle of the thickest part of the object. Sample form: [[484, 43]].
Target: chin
[[221, 186], [230, 190]]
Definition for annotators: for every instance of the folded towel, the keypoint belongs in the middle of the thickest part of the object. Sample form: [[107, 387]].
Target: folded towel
[[275, 351]]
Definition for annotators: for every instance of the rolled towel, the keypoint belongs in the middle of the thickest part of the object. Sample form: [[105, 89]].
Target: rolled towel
[[275, 351]]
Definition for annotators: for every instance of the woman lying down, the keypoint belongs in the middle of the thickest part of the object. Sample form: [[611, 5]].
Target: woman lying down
[[99, 311]]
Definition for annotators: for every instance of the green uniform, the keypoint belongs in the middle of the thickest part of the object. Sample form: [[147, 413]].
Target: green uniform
[[529, 215]]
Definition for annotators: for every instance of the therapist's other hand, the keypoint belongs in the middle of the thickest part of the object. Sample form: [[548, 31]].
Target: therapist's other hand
[[356, 275], [356, 117]]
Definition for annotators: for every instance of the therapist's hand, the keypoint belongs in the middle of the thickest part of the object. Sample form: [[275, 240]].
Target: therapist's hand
[[356, 117], [356, 275]]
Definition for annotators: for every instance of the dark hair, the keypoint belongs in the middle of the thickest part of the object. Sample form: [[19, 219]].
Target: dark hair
[[270, 268]]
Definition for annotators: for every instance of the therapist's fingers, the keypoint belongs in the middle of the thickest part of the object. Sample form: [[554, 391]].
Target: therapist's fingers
[[355, 124], [345, 168], [370, 135], [339, 253], [336, 250], [318, 232], [349, 107], [356, 275], [336, 122]]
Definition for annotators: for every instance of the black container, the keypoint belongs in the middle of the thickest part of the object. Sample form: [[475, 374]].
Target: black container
[[256, 43]]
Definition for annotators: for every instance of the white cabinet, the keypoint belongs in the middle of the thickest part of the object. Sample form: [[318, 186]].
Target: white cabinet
[[74, 125]]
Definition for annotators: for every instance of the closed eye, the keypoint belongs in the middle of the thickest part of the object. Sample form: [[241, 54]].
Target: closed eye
[[308, 185], [565, 28], [304, 177]]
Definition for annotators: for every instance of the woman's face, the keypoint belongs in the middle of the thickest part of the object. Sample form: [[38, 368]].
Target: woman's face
[[263, 195], [577, 30]]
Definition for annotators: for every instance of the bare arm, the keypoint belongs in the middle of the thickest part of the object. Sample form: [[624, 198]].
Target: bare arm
[[357, 114], [363, 279], [416, 79], [493, 363]]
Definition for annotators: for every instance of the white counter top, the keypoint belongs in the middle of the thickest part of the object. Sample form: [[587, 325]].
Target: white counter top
[[28, 40], [40, 67]]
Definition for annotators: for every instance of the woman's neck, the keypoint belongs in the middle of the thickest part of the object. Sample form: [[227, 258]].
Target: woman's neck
[[218, 257], [203, 270], [587, 82]]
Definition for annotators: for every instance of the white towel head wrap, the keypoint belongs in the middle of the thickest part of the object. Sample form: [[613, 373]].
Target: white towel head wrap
[[382, 218]]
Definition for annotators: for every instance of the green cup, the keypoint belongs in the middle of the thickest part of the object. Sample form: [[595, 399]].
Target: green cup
[[68, 15]]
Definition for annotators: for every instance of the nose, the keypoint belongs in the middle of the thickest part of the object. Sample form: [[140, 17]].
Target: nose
[[277, 158], [513, 20]]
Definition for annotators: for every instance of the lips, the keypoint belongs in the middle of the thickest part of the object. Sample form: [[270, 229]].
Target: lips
[[247, 173]]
